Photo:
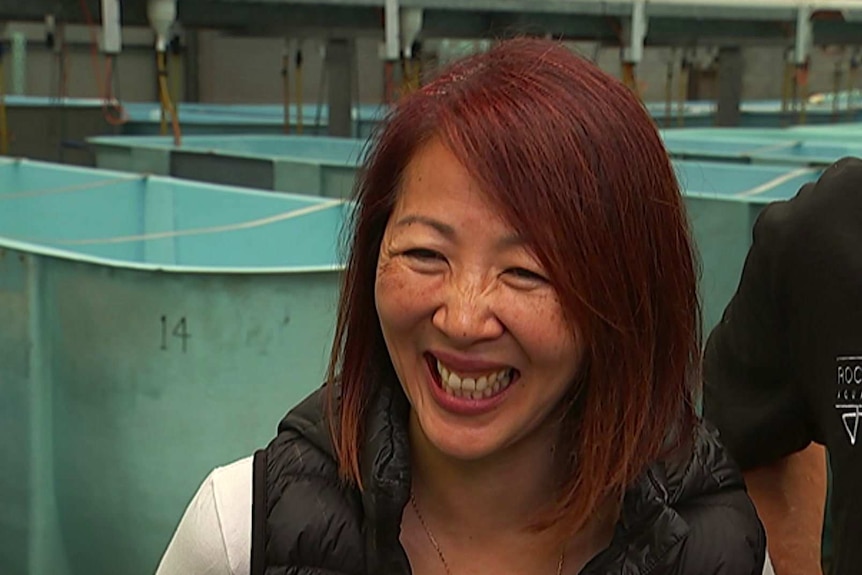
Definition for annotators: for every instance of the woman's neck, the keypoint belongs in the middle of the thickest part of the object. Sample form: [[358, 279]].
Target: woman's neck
[[481, 514], [504, 492]]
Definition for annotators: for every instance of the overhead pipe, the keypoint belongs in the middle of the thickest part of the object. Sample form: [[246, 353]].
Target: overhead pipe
[[112, 30]]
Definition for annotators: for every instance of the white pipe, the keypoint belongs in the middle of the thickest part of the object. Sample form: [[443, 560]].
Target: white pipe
[[633, 53], [411, 25], [804, 35], [112, 34], [162, 15], [392, 14]]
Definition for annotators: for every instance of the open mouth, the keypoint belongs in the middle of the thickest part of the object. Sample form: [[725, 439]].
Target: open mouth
[[475, 386]]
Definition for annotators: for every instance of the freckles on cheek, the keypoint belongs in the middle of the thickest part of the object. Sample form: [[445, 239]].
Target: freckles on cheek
[[393, 290], [543, 318]]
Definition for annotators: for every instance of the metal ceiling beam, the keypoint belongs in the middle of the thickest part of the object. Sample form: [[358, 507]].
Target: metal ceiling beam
[[671, 21], [67, 11]]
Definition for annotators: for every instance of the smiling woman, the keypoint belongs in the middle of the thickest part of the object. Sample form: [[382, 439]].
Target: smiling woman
[[476, 334], [514, 370]]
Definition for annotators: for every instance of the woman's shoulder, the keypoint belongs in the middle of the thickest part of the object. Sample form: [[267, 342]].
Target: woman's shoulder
[[707, 492], [214, 534], [724, 537]]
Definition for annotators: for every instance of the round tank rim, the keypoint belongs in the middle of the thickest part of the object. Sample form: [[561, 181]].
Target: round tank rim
[[190, 146], [143, 177], [55, 253]]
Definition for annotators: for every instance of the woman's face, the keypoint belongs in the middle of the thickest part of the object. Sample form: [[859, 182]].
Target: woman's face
[[474, 330]]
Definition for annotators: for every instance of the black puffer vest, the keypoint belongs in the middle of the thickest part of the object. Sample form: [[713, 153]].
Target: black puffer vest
[[689, 518]]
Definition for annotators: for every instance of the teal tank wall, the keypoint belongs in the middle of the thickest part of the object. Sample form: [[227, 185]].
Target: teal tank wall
[[151, 330]]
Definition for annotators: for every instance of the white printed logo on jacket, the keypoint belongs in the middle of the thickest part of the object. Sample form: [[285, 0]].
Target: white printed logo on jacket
[[849, 400]]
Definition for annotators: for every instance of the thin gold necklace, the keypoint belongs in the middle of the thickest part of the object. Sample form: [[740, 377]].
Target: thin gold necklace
[[436, 545]]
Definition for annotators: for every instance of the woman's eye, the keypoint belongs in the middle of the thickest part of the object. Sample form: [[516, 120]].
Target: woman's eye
[[525, 274], [422, 254]]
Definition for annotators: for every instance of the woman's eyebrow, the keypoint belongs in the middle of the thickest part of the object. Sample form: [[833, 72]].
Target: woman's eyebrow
[[443, 229], [447, 231]]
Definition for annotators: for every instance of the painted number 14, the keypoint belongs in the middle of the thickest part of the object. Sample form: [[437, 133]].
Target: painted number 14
[[180, 330]]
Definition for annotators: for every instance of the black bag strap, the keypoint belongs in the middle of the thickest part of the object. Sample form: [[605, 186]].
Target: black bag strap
[[258, 514]]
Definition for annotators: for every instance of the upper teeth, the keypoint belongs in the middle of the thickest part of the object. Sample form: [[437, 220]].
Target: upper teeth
[[474, 387]]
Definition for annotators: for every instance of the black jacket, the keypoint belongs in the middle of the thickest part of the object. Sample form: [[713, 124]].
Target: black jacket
[[688, 518]]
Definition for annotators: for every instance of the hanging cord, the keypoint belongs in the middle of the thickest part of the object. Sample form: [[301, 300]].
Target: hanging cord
[[388, 82], [167, 106], [411, 71], [63, 56], [629, 73], [299, 98], [357, 94], [405, 75], [416, 66], [685, 69], [837, 79], [321, 91], [4, 122], [112, 109], [56, 42], [802, 94], [668, 89], [56, 65], [787, 86], [285, 83]]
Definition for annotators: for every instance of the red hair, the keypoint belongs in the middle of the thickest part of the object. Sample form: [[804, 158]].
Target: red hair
[[576, 166]]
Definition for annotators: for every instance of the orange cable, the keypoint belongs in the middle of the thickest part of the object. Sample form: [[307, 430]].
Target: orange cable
[[165, 97]]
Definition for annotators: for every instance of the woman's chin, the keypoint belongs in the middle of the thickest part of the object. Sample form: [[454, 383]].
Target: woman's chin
[[460, 443]]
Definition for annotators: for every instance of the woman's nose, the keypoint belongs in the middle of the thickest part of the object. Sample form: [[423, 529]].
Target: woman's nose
[[466, 314]]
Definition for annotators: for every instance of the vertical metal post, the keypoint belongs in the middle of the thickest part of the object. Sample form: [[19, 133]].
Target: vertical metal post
[[19, 64], [192, 81], [730, 70], [340, 92]]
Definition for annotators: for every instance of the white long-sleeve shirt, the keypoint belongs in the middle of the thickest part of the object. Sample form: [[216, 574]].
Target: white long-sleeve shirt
[[214, 535]]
